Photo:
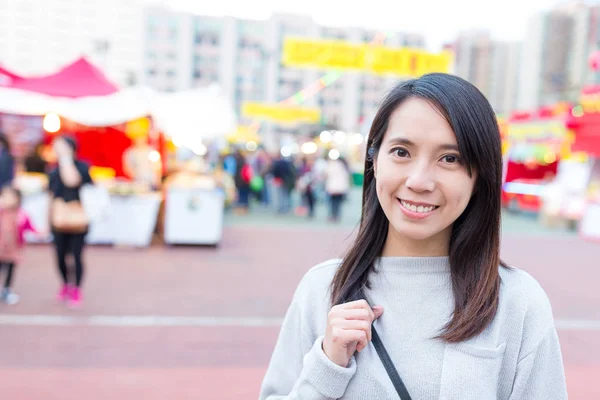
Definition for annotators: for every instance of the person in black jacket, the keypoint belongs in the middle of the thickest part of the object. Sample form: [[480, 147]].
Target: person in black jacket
[[7, 169], [284, 174], [64, 183]]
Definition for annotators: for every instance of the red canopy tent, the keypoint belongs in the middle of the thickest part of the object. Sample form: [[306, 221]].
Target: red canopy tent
[[100, 146], [8, 78], [79, 79]]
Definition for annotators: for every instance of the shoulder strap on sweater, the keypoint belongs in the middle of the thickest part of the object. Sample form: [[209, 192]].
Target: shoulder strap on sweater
[[389, 366]]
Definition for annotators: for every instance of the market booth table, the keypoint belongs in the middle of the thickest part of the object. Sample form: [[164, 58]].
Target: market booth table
[[194, 208], [123, 219]]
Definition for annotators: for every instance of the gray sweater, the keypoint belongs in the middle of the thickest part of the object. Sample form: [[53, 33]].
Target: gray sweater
[[517, 356]]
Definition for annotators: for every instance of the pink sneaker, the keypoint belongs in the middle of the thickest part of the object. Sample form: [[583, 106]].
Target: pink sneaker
[[75, 300], [64, 293]]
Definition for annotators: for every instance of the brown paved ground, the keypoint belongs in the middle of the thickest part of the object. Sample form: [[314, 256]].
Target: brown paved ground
[[252, 274]]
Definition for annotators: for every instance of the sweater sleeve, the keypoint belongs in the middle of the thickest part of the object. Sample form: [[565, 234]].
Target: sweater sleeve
[[540, 374], [299, 369]]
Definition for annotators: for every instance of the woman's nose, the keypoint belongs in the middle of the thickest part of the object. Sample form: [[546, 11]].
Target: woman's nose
[[421, 178]]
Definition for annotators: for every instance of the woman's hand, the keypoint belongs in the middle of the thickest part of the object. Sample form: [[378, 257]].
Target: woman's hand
[[349, 330], [62, 149]]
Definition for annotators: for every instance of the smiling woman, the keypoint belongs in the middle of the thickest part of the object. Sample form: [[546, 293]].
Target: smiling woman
[[424, 275], [422, 183]]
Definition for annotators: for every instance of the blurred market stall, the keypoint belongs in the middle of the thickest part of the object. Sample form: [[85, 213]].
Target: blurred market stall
[[131, 137]]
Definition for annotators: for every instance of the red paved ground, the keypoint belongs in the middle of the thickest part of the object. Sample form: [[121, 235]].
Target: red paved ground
[[253, 273]]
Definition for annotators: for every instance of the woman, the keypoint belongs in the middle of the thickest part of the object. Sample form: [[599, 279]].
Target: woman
[[7, 169], [65, 183], [337, 185], [424, 272]]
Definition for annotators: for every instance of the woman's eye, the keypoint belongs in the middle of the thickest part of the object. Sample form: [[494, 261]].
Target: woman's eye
[[451, 159], [400, 152]]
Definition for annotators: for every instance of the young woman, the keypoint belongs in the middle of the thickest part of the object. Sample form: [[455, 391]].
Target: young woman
[[424, 272], [64, 184]]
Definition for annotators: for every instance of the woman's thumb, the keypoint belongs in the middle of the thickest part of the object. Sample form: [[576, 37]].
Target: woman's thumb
[[378, 311]]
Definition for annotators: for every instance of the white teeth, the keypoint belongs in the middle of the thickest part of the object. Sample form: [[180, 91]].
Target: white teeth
[[419, 209]]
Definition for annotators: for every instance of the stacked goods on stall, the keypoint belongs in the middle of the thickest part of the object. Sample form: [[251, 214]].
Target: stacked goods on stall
[[533, 145]]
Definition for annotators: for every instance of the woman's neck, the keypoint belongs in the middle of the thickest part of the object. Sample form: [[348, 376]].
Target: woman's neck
[[398, 245]]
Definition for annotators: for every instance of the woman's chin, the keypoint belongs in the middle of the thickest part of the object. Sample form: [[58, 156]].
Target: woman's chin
[[414, 232]]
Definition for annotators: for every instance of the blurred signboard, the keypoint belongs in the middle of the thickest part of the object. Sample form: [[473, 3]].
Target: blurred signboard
[[543, 141], [280, 113], [382, 60]]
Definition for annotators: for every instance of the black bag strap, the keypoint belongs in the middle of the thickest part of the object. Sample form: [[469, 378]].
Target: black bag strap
[[389, 365]]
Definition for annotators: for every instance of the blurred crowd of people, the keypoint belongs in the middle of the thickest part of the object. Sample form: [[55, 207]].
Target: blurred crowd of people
[[288, 184]]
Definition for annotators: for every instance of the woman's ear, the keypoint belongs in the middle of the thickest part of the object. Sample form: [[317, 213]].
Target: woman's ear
[[371, 157]]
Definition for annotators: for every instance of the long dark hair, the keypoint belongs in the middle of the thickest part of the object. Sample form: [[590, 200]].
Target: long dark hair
[[474, 252]]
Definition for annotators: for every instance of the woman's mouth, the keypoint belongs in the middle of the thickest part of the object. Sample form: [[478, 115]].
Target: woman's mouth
[[418, 207], [416, 210]]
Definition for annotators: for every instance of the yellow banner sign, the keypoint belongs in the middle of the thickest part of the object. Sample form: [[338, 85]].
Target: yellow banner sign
[[338, 54], [279, 113]]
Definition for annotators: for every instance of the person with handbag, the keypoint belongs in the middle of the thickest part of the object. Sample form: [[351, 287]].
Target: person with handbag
[[421, 306], [68, 220]]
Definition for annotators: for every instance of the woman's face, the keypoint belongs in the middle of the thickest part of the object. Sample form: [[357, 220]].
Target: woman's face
[[61, 148], [422, 184]]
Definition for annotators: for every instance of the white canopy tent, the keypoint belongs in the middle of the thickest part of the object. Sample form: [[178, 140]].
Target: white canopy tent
[[199, 113]]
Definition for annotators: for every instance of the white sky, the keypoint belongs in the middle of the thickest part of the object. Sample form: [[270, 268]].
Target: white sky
[[438, 20]]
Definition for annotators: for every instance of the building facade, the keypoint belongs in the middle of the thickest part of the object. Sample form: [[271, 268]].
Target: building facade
[[491, 65], [243, 57], [40, 36], [555, 54]]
